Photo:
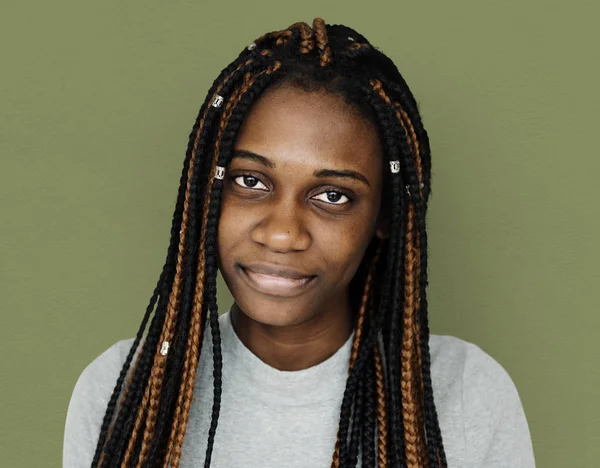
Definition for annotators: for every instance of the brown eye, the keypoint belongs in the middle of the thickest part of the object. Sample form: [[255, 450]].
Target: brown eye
[[333, 197], [249, 181]]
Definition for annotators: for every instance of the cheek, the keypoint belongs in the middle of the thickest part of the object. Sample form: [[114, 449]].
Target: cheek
[[234, 222], [225, 229], [344, 248]]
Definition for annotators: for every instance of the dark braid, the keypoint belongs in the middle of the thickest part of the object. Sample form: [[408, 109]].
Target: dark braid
[[166, 275], [436, 448], [396, 449], [390, 146], [110, 410], [174, 374], [199, 315], [228, 139], [189, 276], [370, 419], [388, 412], [369, 381], [115, 444], [358, 421], [419, 188], [164, 279], [398, 301]]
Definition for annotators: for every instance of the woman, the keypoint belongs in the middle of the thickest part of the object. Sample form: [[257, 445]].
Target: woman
[[305, 184]]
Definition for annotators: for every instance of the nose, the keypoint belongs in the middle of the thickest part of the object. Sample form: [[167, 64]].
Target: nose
[[282, 229]]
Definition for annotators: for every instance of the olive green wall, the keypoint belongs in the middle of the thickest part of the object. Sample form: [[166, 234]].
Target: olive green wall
[[97, 101]]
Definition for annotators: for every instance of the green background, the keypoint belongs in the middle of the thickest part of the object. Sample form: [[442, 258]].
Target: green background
[[98, 99]]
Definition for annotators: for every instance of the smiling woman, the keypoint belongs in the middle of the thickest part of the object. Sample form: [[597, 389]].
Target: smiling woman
[[296, 220], [305, 184]]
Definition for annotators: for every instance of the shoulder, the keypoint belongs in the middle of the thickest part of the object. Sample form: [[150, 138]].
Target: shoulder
[[88, 402], [97, 381], [479, 405], [105, 364], [455, 361]]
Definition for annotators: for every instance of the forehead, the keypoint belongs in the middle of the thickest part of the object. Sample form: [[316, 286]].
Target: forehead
[[293, 126]]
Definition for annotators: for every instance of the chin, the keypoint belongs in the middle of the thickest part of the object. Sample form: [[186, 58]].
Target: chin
[[275, 313]]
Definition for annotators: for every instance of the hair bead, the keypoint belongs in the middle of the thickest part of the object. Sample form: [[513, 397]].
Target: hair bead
[[395, 166], [251, 46], [164, 349], [217, 101], [220, 174]]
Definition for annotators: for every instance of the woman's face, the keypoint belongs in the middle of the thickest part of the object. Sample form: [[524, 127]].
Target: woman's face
[[300, 204]]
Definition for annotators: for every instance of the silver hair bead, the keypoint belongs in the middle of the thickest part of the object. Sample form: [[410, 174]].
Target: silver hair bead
[[217, 101], [395, 166], [251, 46], [164, 349], [350, 38], [220, 174]]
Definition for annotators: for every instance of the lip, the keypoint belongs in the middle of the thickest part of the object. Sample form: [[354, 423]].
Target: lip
[[276, 280]]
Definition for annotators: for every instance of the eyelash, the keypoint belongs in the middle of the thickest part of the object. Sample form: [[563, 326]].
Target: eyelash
[[234, 178]]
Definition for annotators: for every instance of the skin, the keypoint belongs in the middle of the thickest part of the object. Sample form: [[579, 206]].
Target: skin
[[277, 212]]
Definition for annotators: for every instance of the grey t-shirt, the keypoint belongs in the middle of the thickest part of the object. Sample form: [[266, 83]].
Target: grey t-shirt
[[272, 418]]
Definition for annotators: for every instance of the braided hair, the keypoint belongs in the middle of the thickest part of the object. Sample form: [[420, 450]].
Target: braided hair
[[388, 415]]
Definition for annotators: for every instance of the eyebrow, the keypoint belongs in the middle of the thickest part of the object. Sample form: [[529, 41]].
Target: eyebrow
[[243, 154], [343, 174]]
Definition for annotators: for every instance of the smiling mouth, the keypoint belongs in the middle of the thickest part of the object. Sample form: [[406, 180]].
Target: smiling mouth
[[275, 285]]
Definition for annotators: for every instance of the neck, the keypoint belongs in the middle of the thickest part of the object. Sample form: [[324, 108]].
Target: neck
[[295, 347]]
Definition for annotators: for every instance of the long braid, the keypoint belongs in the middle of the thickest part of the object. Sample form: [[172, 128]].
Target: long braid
[[408, 347], [382, 432], [122, 427], [409, 406], [419, 387], [362, 417], [193, 233], [396, 448], [435, 448], [358, 419], [370, 416], [359, 331], [192, 347], [424, 398], [112, 404], [130, 396], [148, 410], [164, 277], [253, 87], [370, 420], [185, 395], [144, 358], [363, 352], [378, 387]]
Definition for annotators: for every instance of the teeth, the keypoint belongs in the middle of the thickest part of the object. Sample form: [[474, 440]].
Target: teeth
[[284, 279]]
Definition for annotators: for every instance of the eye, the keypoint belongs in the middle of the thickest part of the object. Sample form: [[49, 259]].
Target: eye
[[333, 197], [249, 181]]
